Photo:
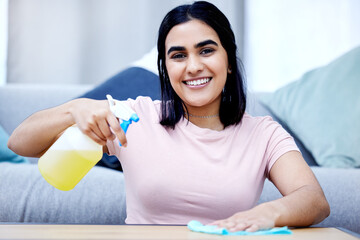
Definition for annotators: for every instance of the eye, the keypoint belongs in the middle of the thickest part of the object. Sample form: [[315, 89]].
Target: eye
[[178, 56], [206, 51]]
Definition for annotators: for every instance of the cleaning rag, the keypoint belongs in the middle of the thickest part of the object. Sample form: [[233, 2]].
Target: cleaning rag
[[197, 226]]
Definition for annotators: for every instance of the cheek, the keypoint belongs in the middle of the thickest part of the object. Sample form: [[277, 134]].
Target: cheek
[[175, 71], [218, 63], [219, 67]]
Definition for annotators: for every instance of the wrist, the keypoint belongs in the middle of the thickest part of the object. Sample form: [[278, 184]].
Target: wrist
[[69, 111], [273, 210]]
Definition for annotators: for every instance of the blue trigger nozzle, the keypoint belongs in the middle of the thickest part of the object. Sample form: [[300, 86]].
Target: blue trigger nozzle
[[134, 117], [125, 125], [122, 111]]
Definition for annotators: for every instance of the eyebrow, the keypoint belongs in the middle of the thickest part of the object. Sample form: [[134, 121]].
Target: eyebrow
[[198, 45], [206, 42], [175, 48]]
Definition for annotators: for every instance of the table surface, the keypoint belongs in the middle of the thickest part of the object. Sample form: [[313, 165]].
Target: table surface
[[54, 231]]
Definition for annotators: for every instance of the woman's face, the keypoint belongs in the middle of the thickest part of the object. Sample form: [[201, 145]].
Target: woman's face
[[197, 65]]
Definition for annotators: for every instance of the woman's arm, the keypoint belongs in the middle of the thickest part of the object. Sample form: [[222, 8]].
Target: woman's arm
[[38, 132], [303, 204]]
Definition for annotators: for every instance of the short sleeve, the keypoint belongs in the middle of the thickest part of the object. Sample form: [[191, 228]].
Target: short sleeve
[[279, 143]]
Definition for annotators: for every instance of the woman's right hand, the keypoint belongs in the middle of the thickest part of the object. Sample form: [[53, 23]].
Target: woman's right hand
[[94, 118], [38, 132]]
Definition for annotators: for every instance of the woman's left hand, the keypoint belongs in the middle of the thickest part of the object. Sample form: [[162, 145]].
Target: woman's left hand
[[303, 204], [257, 218]]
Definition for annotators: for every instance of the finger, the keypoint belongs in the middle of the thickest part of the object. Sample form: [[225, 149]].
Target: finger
[[239, 227], [214, 223], [95, 129], [105, 130], [96, 138], [252, 228], [228, 224], [217, 223], [89, 131], [117, 130], [90, 125]]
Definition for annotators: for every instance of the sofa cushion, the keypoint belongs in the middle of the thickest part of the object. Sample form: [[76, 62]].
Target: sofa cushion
[[25, 196], [6, 155], [321, 109]]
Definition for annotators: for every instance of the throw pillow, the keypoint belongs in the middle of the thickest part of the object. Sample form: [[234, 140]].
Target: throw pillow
[[6, 155], [322, 109], [129, 83]]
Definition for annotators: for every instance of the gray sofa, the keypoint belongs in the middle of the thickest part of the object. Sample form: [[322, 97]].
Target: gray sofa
[[99, 198]]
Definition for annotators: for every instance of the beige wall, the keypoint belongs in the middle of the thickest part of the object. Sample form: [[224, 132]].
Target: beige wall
[[285, 39], [87, 41]]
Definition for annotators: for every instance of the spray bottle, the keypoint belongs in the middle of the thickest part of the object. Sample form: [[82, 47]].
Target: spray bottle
[[72, 156]]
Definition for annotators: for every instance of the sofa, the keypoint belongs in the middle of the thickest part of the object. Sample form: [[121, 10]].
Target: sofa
[[99, 198]]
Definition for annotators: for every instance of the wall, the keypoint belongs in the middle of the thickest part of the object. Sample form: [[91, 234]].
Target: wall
[[87, 41], [285, 39], [3, 39]]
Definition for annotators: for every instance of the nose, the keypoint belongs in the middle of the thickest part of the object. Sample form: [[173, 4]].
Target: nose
[[194, 65]]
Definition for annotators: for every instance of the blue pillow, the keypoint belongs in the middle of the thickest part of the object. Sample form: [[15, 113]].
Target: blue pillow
[[323, 110], [129, 83], [6, 155]]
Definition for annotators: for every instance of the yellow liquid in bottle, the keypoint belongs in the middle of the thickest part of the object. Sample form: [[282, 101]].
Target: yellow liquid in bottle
[[65, 168]]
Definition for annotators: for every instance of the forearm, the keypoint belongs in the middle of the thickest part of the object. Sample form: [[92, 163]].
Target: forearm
[[39, 131], [303, 204], [303, 207]]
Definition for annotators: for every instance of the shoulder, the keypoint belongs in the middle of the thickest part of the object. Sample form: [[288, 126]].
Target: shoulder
[[263, 122], [143, 102], [263, 128], [145, 106]]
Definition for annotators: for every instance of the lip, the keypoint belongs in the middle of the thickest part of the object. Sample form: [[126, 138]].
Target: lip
[[199, 82]]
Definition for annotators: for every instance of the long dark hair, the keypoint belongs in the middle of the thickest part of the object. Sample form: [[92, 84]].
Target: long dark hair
[[233, 99]]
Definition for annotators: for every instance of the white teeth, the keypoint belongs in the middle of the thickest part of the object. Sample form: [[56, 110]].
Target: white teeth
[[198, 82]]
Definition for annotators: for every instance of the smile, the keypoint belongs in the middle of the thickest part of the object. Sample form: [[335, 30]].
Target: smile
[[197, 82]]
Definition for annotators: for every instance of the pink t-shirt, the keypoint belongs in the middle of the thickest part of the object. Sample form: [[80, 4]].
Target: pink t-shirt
[[192, 173]]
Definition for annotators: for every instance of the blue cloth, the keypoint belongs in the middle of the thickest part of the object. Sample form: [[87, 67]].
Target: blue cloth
[[199, 227]]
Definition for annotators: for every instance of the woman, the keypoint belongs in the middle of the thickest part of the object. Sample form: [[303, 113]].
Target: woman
[[196, 155]]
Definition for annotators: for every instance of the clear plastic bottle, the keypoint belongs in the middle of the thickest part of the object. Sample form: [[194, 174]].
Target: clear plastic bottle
[[69, 159]]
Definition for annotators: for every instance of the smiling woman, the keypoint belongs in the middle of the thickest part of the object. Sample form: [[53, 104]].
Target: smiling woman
[[208, 159], [197, 69], [202, 68]]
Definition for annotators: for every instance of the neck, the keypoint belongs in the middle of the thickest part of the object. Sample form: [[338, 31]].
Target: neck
[[205, 116], [201, 116], [206, 121]]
